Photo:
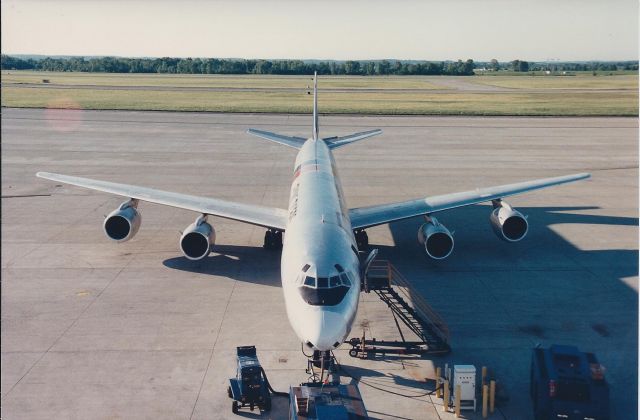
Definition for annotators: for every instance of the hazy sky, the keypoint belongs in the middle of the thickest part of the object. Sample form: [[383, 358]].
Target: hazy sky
[[330, 29]]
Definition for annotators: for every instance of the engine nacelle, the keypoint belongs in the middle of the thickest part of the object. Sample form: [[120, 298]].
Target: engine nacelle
[[508, 224], [437, 240], [198, 239], [123, 223]]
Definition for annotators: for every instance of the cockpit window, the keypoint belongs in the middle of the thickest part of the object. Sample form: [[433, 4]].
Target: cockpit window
[[326, 291], [339, 268], [323, 282], [345, 279], [305, 268]]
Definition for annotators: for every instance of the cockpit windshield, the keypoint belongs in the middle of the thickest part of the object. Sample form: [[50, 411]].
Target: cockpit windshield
[[324, 290]]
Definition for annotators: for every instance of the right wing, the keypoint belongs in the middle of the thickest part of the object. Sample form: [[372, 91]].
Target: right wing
[[256, 215], [365, 217], [295, 142]]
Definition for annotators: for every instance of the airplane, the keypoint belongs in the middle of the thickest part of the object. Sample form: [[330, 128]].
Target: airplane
[[324, 241]]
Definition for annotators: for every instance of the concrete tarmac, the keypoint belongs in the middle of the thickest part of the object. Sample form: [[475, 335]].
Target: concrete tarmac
[[95, 330]]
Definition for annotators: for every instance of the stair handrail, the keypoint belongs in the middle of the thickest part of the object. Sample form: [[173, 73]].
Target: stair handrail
[[419, 304]]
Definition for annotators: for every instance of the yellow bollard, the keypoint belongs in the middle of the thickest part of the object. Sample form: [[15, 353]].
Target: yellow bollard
[[485, 397], [445, 402], [457, 406], [484, 375], [438, 386], [492, 396]]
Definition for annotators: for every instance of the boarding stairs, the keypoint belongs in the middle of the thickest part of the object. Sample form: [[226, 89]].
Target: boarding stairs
[[410, 308]]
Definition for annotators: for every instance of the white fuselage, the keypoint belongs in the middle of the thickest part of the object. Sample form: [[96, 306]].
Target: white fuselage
[[320, 240]]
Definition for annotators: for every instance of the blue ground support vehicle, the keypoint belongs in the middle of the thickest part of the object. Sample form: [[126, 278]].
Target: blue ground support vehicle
[[568, 384], [250, 386]]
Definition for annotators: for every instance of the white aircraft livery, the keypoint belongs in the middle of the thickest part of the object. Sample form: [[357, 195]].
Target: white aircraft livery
[[321, 265]]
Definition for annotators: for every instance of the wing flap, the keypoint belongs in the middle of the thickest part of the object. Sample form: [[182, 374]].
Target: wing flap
[[252, 214], [365, 217]]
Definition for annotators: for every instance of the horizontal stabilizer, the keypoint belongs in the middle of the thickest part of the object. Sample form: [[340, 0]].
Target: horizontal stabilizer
[[335, 142], [295, 142]]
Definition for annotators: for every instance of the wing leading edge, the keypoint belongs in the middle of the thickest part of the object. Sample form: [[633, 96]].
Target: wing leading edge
[[365, 217], [256, 215]]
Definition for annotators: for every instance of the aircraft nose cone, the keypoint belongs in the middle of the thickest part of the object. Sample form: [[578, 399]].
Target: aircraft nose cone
[[325, 329]]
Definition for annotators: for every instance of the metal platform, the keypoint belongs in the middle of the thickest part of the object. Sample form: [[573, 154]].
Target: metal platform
[[410, 308], [332, 402]]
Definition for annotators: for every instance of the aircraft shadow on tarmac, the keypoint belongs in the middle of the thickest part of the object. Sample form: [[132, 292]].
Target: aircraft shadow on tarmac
[[476, 243], [244, 263], [544, 289], [541, 270], [499, 296]]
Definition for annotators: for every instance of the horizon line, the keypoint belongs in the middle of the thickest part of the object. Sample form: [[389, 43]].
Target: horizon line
[[548, 60]]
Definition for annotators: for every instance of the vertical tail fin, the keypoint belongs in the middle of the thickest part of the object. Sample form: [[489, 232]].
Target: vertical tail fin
[[315, 105]]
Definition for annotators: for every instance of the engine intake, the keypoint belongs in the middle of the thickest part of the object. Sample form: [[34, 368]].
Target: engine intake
[[123, 223], [437, 240], [198, 239], [507, 223]]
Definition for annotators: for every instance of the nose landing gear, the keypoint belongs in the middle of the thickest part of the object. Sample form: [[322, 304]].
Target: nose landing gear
[[272, 239], [322, 367]]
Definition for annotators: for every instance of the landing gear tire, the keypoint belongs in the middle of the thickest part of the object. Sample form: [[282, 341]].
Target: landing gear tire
[[229, 392], [353, 353], [362, 240], [234, 407], [272, 239]]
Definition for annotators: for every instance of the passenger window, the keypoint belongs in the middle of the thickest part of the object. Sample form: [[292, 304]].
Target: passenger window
[[334, 281], [323, 282], [310, 281], [345, 279]]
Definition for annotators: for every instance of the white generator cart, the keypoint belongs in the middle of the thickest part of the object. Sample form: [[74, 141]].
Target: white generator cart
[[465, 376]]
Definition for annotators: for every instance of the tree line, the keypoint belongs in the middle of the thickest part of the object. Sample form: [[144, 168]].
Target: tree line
[[237, 66], [523, 66]]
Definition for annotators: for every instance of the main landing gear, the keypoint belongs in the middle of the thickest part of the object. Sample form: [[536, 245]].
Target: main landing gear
[[272, 239], [362, 239]]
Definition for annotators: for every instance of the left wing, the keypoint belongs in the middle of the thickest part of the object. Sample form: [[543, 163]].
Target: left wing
[[252, 214], [365, 217]]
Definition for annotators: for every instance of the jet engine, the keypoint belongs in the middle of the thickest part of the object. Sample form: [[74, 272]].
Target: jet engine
[[198, 239], [123, 223], [508, 224], [437, 240]]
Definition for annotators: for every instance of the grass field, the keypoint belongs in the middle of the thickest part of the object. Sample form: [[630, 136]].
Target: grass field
[[475, 95], [215, 80], [580, 81]]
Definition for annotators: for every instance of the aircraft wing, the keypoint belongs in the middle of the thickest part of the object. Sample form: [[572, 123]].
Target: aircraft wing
[[256, 215], [365, 217]]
